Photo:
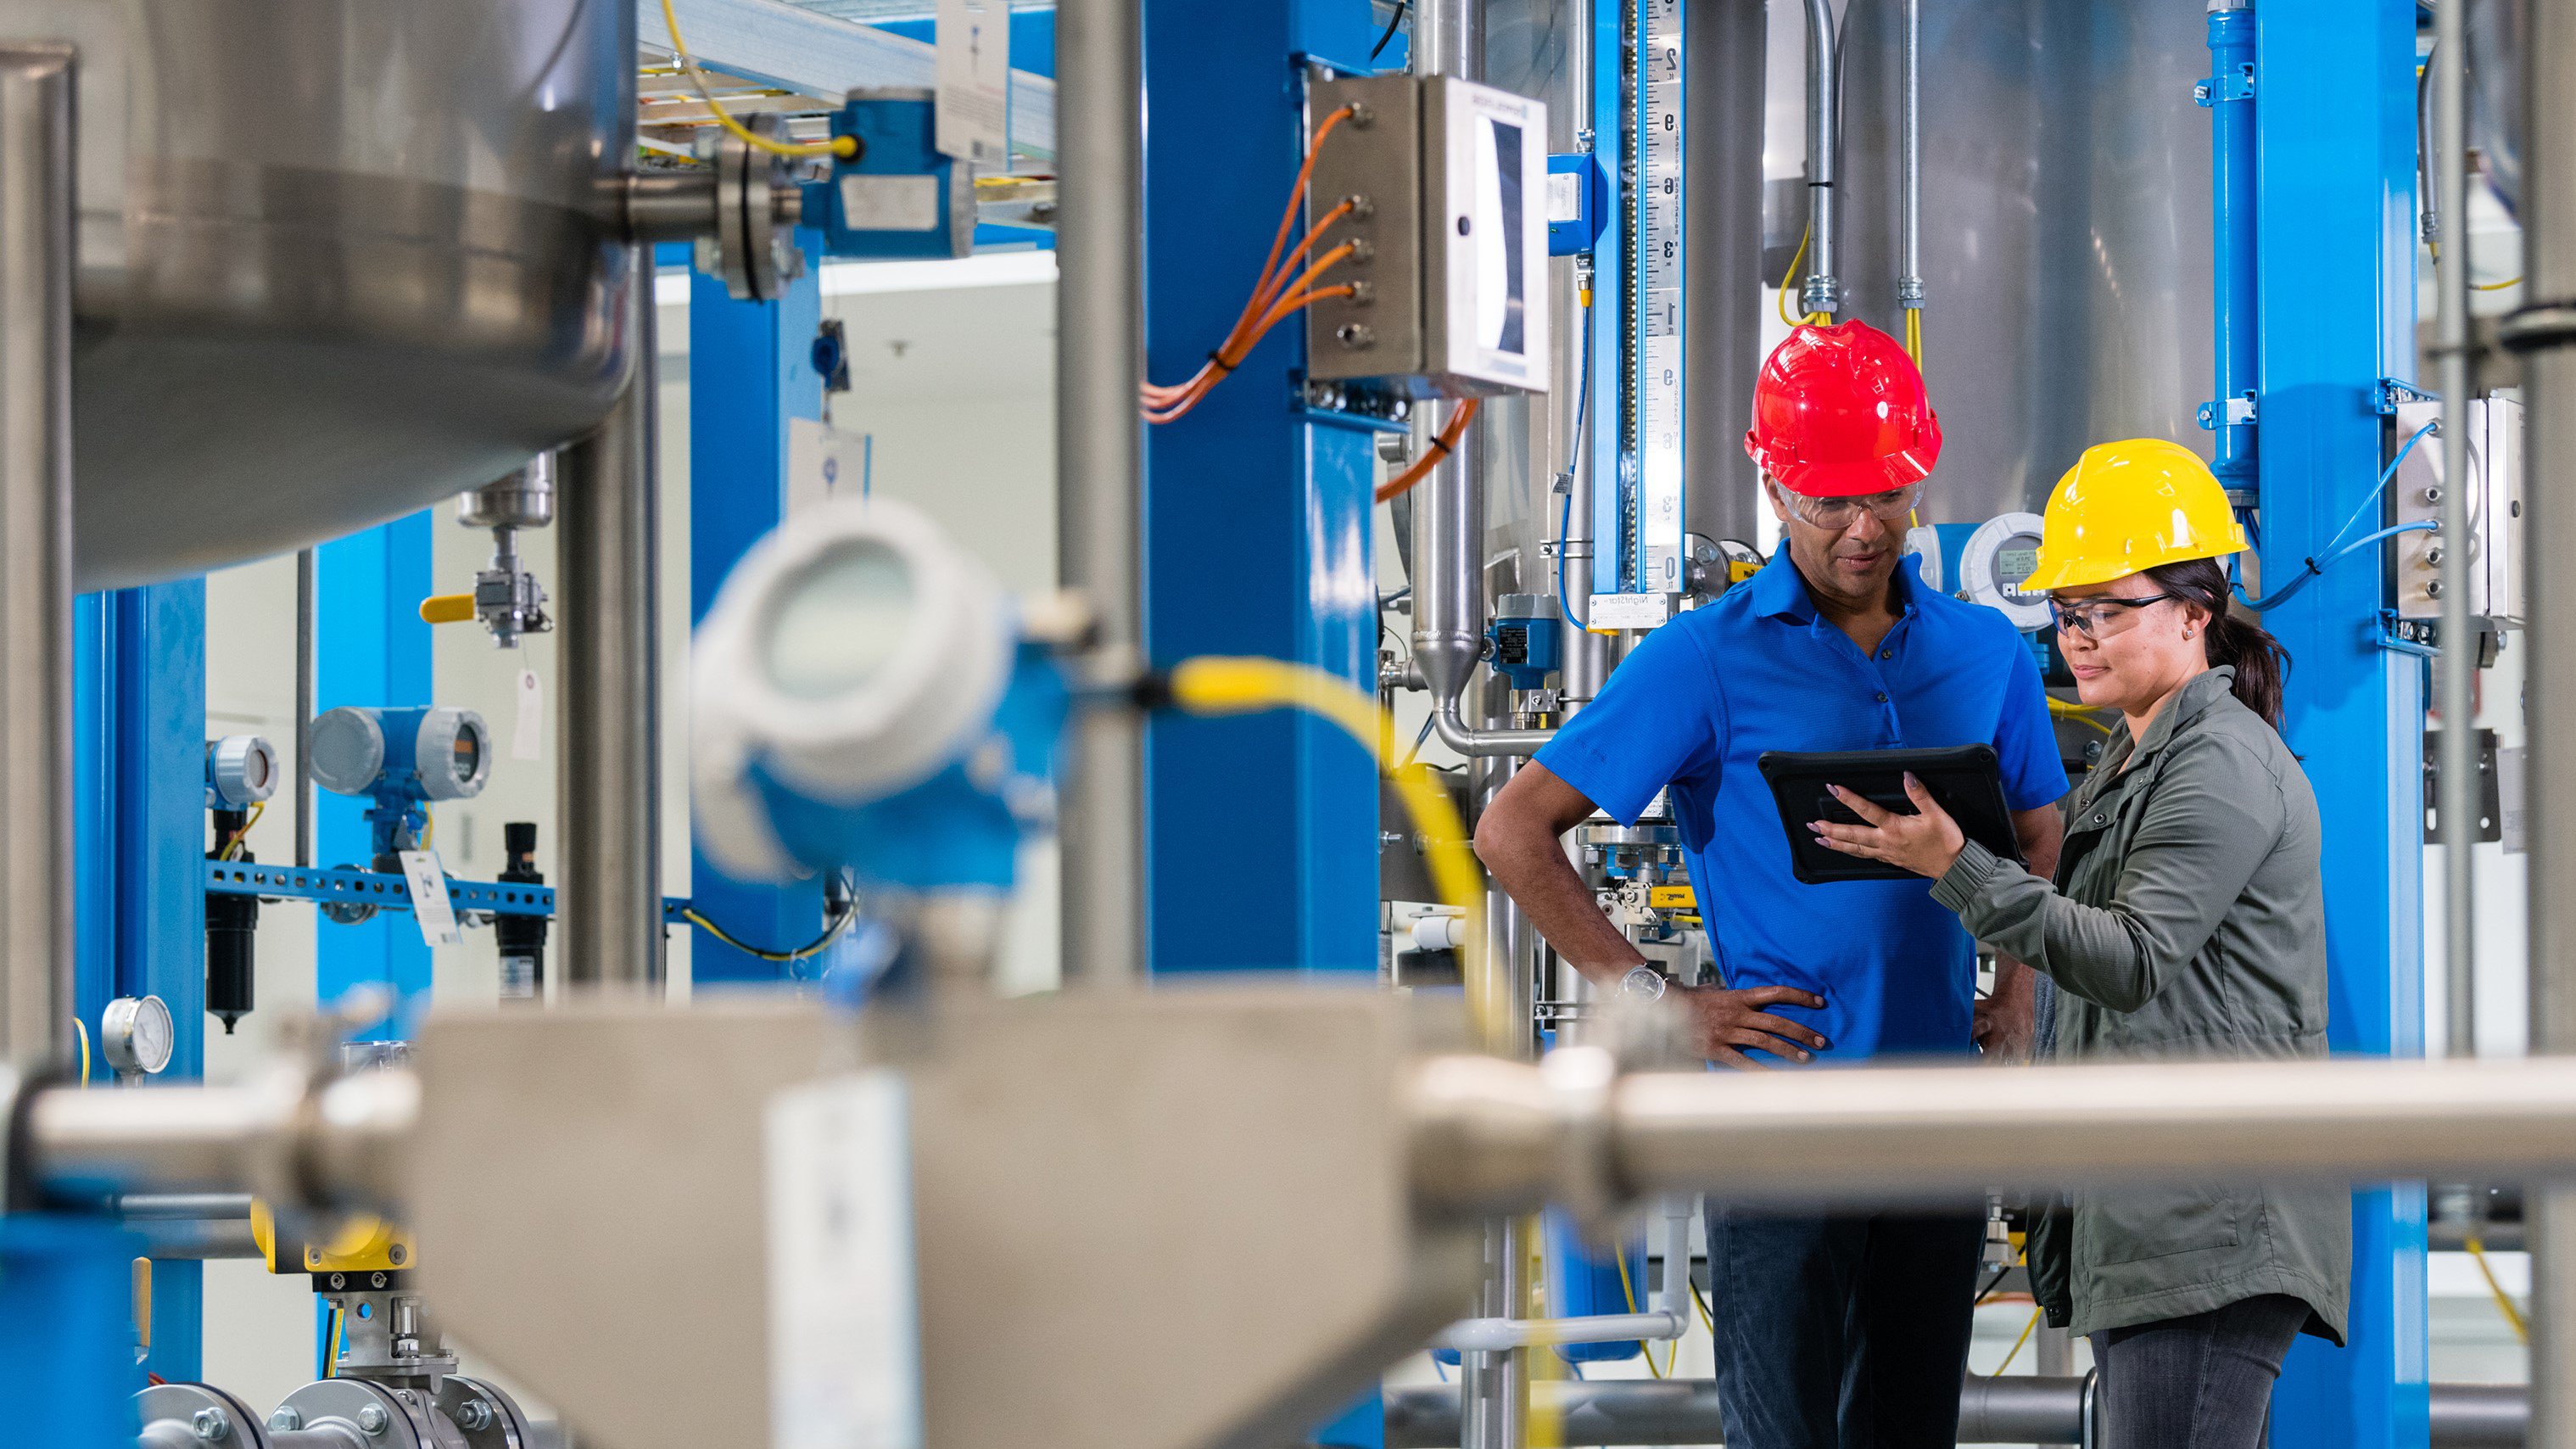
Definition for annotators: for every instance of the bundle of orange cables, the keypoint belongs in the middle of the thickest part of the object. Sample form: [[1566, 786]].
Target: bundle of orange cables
[[1441, 444], [1281, 293]]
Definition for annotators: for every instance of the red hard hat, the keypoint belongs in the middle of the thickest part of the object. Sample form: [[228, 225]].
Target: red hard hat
[[1839, 412]]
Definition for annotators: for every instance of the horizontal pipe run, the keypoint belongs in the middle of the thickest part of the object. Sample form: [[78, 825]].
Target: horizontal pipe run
[[200, 1239], [1474, 743], [1991, 1411], [137, 1207], [1494, 1136], [1492, 1335], [338, 1145]]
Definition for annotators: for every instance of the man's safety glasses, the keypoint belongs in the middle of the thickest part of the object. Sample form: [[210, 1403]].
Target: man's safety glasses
[[1839, 513]]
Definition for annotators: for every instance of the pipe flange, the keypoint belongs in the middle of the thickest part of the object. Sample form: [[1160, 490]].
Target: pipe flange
[[2537, 326], [196, 1416], [488, 1417], [379, 1417], [1581, 1081], [755, 254]]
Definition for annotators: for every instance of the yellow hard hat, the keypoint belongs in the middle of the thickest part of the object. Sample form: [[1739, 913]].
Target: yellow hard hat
[[2129, 506]]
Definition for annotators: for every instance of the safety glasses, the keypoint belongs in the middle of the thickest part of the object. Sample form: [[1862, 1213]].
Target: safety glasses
[[2102, 618], [1839, 513]]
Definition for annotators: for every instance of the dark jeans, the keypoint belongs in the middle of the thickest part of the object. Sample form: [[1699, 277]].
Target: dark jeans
[[1842, 1332], [2203, 1382]]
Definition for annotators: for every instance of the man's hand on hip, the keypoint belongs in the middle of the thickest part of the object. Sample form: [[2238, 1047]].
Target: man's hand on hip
[[1725, 1024], [2005, 1026]]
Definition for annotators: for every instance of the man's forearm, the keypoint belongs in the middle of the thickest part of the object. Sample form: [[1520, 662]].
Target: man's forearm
[[1529, 864]]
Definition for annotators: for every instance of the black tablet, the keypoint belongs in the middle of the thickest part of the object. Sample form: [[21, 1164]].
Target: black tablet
[[1966, 780]]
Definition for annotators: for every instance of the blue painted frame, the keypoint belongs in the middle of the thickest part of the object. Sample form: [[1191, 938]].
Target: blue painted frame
[[2335, 276], [751, 368], [1257, 536], [139, 838]]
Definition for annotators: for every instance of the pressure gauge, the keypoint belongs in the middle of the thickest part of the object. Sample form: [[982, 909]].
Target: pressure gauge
[[241, 770], [848, 659], [2002, 552], [136, 1036]]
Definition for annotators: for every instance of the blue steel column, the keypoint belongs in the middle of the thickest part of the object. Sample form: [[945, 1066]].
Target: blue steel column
[[1612, 464], [2334, 120], [139, 831], [1261, 831], [751, 369], [370, 648], [2232, 208]]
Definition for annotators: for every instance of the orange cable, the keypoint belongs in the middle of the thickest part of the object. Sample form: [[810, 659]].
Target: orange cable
[[1288, 307], [1446, 439]]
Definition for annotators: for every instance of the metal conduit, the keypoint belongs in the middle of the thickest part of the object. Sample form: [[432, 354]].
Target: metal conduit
[[1991, 1411], [1100, 495], [36, 254], [2457, 666], [1823, 292]]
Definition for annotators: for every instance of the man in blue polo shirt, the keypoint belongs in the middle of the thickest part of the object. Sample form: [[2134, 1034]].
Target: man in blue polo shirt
[[1851, 1330]]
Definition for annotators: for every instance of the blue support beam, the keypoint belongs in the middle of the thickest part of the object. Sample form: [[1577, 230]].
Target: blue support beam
[[2335, 114], [1610, 459], [139, 838], [67, 1371], [370, 648], [1257, 533], [751, 369]]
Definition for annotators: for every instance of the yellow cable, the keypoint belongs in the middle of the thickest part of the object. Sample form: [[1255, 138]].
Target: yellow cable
[[232, 847], [2495, 286], [2081, 714], [80, 1029], [1789, 278], [844, 147], [830, 935], [428, 829], [1217, 684], [2504, 1301], [2017, 1343], [1628, 1291]]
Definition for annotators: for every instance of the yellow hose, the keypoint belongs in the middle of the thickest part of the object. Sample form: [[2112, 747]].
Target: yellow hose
[[841, 146], [1217, 685], [2504, 1301], [2081, 714]]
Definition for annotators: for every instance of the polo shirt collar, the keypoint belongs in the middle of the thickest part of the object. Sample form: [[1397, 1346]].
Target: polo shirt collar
[[1780, 591]]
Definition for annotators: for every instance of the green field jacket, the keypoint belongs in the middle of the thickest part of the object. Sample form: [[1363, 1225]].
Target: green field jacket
[[2187, 921]]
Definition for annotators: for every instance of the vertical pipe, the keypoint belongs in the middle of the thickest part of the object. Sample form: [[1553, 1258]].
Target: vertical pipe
[[1823, 292], [1100, 491], [303, 774], [1585, 658], [2232, 213], [608, 779], [36, 257], [2457, 667], [1909, 287], [2545, 330], [1722, 104]]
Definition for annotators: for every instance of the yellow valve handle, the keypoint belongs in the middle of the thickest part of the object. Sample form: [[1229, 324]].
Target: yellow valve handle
[[447, 609]]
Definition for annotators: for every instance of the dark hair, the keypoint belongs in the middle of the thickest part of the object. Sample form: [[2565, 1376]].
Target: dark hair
[[2262, 665]]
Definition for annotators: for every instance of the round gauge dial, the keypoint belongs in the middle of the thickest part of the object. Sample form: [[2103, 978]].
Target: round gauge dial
[[136, 1035]]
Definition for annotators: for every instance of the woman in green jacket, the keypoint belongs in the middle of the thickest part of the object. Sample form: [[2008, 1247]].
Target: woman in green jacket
[[2186, 920]]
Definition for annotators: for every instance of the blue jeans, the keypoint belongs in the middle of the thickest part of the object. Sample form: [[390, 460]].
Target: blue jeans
[[2202, 1382], [1842, 1332]]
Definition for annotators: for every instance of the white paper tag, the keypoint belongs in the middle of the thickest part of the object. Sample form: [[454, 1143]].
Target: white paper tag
[[1564, 196], [844, 1328], [823, 463], [429, 902], [973, 71], [528, 735], [890, 203]]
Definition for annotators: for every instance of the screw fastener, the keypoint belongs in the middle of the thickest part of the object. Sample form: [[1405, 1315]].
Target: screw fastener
[[286, 1417], [474, 1414], [372, 1419], [211, 1425]]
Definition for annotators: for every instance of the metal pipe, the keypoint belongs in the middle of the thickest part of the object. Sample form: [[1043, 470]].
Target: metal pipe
[[2457, 665], [303, 777], [1723, 80], [341, 1143], [1823, 292], [1909, 286], [1480, 1335], [2232, 220], [1100, 508], [180, 1206], [2544, 330], [36, 259], [608, 794], [1493, 1136], [1585, 655], [1449, 596], [2037, 1410]]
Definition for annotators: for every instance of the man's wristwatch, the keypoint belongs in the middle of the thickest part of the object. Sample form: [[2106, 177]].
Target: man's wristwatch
[[1643, 983]]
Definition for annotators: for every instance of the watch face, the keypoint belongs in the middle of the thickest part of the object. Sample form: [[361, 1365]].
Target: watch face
[[1644, 982]]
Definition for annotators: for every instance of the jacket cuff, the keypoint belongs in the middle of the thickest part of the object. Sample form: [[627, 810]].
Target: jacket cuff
[[1967, 877]]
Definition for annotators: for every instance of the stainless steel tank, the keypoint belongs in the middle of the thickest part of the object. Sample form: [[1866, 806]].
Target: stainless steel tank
[[2066, 228], [338, 259]]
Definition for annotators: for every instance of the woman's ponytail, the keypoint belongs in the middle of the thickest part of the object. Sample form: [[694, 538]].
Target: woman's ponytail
[[2262, 665]]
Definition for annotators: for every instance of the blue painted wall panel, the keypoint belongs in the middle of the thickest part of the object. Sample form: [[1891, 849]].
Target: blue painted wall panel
[[2335, 113]]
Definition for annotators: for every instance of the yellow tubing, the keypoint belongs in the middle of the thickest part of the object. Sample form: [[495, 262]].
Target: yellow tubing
[[447, 609], [1216, 684], [842, 146], [2504, 1301]]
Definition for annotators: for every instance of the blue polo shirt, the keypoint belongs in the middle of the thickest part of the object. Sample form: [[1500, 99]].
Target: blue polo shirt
[[1694, 706]]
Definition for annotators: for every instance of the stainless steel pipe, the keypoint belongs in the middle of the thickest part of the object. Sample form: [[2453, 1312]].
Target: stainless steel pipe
[[341, 1144], [1823, 292], [1722, 100], [36, 259], [608, 772], [1100, 507], [2545, 332], [2457, 666], [2037, 1410], [1909, 284], [1495, 1136], [1449, 596]]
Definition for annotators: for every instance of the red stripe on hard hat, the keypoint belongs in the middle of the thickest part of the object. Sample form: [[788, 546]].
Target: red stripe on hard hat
[[1840, 411]]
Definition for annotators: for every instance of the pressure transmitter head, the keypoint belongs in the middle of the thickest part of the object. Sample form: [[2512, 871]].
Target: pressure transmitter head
[[403, 759], [241, 771]]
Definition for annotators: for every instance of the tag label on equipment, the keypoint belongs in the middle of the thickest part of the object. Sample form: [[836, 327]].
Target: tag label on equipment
[[973, 71], [528, 734], [844, 1327], [429, 903]]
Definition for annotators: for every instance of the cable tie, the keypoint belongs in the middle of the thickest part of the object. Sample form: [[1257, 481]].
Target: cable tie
[[1220, 364]]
